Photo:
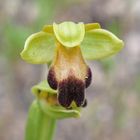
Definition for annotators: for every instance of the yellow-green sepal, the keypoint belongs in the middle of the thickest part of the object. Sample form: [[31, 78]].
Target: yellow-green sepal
[[69, 34], [39, 48], [100, 43]]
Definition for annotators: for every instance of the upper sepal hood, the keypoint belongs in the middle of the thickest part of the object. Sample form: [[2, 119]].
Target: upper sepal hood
[[69, 34]]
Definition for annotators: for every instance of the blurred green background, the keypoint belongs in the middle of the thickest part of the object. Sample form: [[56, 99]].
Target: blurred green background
[[113, 111]]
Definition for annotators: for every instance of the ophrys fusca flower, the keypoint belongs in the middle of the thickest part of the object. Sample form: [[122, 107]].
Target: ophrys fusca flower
[[65, 47]]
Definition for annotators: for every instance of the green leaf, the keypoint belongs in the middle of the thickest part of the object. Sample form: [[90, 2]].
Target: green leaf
[[69, 34], [39, 48], [100, 43]]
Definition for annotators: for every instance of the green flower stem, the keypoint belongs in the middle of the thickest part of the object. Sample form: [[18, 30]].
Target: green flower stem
[[39, 125], [47, 128]]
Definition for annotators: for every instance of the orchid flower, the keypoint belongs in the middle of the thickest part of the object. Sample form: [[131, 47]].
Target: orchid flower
[[65, 47]]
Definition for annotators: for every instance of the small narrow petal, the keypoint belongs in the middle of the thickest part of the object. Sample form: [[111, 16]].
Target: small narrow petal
[[48, 29], [92, 26]]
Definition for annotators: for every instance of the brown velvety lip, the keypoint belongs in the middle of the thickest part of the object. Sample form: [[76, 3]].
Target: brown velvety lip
[[70, 75], [71, 89]]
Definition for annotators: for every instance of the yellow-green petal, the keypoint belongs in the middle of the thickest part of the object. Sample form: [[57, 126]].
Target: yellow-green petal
[[48, 29], [39, 48], [100, 43], [69, 34], [92, 26]]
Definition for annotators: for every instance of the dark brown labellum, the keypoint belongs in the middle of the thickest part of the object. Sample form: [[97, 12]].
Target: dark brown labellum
[[71, 89]]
